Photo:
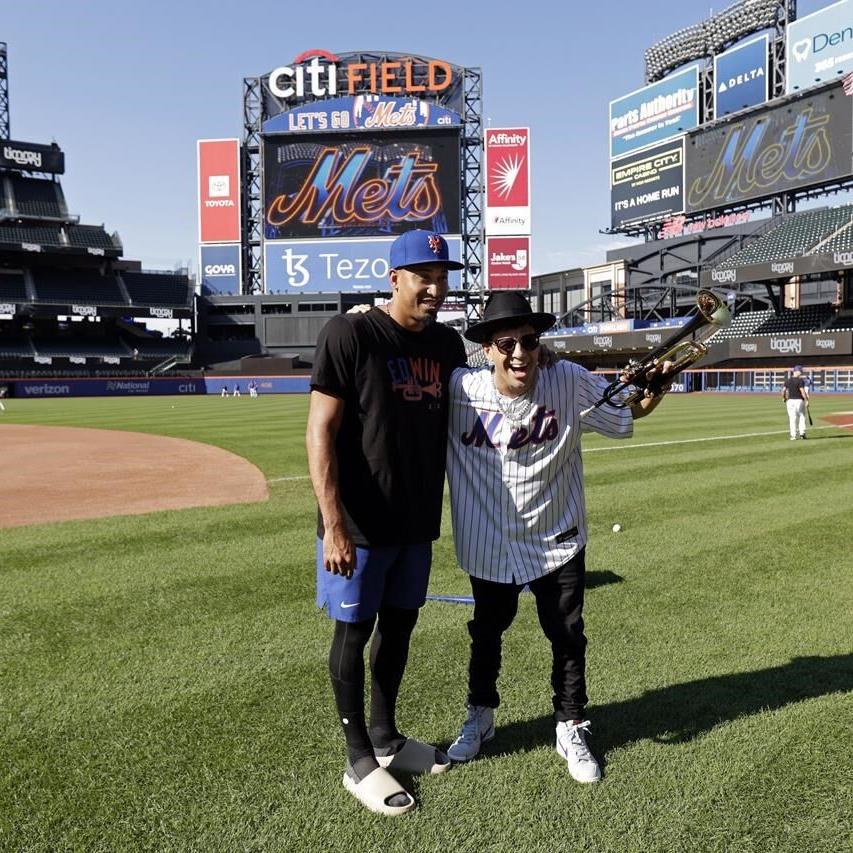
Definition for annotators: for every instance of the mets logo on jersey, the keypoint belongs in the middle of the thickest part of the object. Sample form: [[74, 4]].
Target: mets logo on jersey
[[434, 242]]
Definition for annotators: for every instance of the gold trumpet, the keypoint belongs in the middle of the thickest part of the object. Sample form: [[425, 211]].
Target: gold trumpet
[[633, 383]]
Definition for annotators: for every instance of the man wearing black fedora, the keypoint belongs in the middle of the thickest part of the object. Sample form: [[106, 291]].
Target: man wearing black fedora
[[516, 488]]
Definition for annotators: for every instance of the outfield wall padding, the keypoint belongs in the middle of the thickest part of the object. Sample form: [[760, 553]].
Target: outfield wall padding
[[155, 386]]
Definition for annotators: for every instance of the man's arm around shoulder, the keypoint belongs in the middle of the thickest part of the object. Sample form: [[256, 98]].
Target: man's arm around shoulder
[[325, 415]]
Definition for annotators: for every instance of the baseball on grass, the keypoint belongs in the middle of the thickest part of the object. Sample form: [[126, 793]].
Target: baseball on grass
[[616, 528]]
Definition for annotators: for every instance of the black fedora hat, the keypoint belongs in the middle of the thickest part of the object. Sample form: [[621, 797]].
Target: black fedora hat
[[508, 308]]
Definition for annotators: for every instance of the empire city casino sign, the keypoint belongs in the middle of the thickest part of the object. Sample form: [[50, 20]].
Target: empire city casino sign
[[315, 73]]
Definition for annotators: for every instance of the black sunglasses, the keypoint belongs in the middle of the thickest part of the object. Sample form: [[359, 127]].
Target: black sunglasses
[[507, 345]]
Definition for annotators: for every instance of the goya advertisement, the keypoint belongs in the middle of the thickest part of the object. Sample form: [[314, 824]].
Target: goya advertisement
[[360, 184]]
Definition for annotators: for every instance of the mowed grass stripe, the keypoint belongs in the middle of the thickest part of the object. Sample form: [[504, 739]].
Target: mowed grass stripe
[[165, 687]]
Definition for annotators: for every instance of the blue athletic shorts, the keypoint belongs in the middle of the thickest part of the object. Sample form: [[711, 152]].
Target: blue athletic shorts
[[392, 574]]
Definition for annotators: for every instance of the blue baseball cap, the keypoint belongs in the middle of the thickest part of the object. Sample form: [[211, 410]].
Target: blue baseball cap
[[421, 247], [797, 368]]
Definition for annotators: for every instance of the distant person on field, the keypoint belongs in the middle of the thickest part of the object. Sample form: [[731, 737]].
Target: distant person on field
[[224, 391], [795, 393], [236, 391], [2, 395], [253, 389], [376, 440]]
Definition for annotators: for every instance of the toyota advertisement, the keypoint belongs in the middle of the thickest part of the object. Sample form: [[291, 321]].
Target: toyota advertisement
[[819, 47], [361, 184], [219, 190]]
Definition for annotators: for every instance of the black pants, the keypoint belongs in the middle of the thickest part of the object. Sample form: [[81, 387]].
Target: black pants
[[559, 603]]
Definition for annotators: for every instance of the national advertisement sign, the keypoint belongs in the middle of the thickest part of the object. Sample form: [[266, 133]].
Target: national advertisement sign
[[508, 263], [740, 77], [648, 184], [507, 168], [769, 151], [220, 268], [654, 113], [363, 112], [333, 266], [219, 190], [819, 47], [361, 185]]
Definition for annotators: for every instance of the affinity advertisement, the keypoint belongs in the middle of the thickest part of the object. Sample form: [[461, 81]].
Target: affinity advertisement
[[787, 147], [667, 108], [507, 161], [333, 266], [360, 185], [647, 185], [819, 47], [363, 112], [220, 267], [219, 191], [508, 263], [740, 77]]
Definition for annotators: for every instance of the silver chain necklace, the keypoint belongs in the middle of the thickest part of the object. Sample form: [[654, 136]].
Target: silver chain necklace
[[514, 409]]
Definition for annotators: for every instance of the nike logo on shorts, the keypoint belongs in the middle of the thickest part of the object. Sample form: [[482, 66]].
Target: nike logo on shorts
[[355, 604]]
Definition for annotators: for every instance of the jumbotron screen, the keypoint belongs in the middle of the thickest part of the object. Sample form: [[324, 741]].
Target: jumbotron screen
[[359, 185]]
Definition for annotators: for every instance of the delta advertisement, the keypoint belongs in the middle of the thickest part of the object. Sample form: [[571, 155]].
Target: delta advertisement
[[508, 263], [788, 147], [336, 266], [647, 185], [740, 77], [363, 112], [654, 113], [218, 191], [507, 168], [320, 74], [360, 185], [220, 267], [819, 47]]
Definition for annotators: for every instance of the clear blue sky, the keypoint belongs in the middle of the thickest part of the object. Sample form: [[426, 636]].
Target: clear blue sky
[[127, 87]]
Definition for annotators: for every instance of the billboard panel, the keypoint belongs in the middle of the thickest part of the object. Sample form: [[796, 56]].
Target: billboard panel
[[508, 263], [507, 164], [787, 147], [648, 184], [219, 268], [31, 157], [359, 184], [218, 191], [363, 112], [740, 77], [667, 108], [819, 47], [333, 266]]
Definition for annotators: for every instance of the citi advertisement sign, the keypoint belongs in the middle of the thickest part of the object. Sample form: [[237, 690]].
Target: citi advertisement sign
[[319, 74], [819, 47], [507, 160]]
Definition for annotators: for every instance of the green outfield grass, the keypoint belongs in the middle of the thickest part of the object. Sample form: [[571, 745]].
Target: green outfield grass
[[163, 681]]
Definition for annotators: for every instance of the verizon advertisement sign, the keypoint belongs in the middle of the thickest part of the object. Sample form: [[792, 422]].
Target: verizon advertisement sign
[[219, 191], [508, 263], [507, 181]]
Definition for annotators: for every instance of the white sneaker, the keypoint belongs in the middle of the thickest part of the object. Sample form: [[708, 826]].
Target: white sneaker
[[478, 728], [571, 744]]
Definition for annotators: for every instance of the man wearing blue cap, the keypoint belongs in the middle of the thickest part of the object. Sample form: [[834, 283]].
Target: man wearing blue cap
[[376, 439]]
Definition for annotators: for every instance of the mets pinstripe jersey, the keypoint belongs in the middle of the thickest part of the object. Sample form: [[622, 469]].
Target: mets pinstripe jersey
[[515, 470]]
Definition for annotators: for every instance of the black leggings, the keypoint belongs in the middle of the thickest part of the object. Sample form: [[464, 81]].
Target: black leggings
[[559, 603]]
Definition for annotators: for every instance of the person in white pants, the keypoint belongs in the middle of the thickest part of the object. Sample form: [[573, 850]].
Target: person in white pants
[[795, 393]]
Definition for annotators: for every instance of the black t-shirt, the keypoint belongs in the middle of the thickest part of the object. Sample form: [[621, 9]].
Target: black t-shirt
[[393, 438], [794, 386]]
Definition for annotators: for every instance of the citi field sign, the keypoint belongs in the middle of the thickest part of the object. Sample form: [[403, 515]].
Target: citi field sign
[[319, 73]]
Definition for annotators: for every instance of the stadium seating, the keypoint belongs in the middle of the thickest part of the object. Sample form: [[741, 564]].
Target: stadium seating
[[795, 235], [158, 348], [149, 288], [13, 345], [80, 346], [842, 322], [808, 318], [91, 237], [38, 197], [41, 235], [742, 325], [13, 288], [76, 286]]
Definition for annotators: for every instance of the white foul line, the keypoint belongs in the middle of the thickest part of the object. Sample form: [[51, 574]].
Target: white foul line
[[622, 446]]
